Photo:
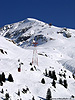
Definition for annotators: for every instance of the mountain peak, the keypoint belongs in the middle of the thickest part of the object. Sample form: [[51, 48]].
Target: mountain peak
[[32, 19]]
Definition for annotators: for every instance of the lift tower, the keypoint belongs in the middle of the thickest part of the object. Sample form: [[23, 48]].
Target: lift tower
[[35, 55]]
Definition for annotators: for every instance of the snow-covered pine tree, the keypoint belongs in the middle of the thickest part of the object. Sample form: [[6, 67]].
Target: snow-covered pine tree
[[0, 78], [54, 83], [33, 98], [48, 96], [65, 84], [10, 78], [7, 96], [64, 75], [49, 73], [18, 92], [2, 91], [43, 81], [45, 72], [3, 77], [54, 75], [60, 81]]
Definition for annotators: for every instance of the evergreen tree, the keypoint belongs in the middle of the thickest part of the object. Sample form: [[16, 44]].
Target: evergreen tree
[[33, 98], [43, 81], [64, 75], [2, 91], [0, 78], [7, 96], [60, 74], [65, 83], [1, 83], [45, 72], [60, 81], [53, 75], [3, 77], [48, 96], [73, 76], [30, 63], [53, 83], [49, 74], [10, 78], [55, 78], [18, 92], [32, 69]]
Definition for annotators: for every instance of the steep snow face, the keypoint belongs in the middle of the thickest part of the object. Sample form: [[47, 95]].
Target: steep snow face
[[56, 51]]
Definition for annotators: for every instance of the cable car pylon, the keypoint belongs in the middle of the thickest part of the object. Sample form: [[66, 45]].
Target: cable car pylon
[[35, 55]]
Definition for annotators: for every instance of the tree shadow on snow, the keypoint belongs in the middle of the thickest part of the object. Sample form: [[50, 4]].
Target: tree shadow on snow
[[42, 98]]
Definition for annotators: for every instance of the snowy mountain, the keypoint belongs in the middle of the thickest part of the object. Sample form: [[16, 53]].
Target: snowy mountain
[[56, 53]]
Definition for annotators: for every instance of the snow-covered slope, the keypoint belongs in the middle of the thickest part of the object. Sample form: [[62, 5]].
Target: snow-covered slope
[[62, 39], [56, 51]]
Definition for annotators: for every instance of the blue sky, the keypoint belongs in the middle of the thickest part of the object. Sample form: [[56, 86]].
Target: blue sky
[[60, 13]]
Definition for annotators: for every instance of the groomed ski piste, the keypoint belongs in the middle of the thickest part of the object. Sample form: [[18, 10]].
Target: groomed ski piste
[[56, 52]]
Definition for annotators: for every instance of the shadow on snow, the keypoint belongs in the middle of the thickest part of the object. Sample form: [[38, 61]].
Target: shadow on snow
[[42, 98]]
